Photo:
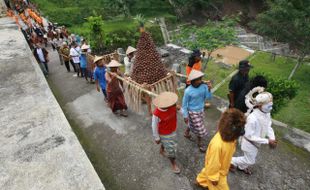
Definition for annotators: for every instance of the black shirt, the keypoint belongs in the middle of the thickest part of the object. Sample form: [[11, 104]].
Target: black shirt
[[240, 100], [237, 84]]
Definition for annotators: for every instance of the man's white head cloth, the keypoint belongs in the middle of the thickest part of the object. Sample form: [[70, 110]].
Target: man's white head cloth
[[263, 98]]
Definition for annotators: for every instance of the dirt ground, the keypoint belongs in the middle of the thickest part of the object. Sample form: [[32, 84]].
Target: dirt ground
[[230, 55], [125, 156]]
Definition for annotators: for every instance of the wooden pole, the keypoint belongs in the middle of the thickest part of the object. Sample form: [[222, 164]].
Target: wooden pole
[[133, 84]]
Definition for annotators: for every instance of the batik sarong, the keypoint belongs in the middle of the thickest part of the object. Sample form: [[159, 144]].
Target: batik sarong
[[116, 98], [196, 123], [170, 144]]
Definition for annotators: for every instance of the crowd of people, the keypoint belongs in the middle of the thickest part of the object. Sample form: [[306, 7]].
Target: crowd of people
[[248, 116]]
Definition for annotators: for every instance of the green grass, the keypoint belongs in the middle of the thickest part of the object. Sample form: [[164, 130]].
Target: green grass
[[217, 72], [297, 112]]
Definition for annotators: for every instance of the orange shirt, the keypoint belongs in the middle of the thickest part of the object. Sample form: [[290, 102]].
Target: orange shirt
[[196, 66]]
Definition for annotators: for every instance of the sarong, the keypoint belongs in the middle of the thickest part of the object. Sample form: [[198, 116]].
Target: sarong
[[116, 97], [170, 144], [196, 123]]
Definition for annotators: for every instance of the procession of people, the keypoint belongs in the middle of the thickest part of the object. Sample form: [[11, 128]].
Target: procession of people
[[248, 117]]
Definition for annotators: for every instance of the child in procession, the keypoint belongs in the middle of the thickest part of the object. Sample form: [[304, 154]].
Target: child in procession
[[164, 125]]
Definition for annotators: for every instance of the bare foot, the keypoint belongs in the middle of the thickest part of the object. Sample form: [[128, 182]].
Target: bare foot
[[176, 169]]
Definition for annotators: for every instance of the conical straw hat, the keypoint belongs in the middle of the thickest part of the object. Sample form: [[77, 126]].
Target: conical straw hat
[[84, 46], [97, 58], [114, 63], [165, 100], [195, 74], [130, 50]]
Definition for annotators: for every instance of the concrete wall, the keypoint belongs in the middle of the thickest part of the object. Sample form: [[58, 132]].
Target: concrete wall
[[38, 149]]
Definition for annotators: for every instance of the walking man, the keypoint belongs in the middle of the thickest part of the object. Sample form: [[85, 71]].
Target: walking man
[[238, 82], [41, 55]]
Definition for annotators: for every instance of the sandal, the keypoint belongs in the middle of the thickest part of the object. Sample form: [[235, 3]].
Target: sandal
[[232, 168], [123, 114], [176, 170], [246, 171], [202, 149]]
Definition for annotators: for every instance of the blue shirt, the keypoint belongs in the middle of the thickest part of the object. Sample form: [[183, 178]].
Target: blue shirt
[[194, 99], [99, 74], [83, 61]]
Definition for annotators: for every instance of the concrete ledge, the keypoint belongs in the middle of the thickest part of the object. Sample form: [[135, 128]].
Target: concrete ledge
[[38, 149]]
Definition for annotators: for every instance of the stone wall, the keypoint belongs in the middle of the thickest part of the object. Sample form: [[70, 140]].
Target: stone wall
[[38, 149]]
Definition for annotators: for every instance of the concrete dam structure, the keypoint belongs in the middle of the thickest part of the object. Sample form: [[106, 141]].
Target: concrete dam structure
[[38, 149]]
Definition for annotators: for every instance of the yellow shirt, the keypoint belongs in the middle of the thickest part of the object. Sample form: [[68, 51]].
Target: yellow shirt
[[217, 163]]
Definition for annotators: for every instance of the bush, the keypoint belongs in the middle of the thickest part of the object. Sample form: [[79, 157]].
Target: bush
[[123, 38], [282, 90]]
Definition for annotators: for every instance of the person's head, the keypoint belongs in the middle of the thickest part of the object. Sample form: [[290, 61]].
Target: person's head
[[195, 77], [244, 67], [264, 102], [196, 55], [165, 100], [74, 45], [65, 44], [39, 45], [131, 55], [259, 80], [113, 66], [130, 52], [84, 48], [231, 125], [98, 60], [100, 63], [197, 82]]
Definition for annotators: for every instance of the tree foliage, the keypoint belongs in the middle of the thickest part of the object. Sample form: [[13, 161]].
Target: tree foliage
[[96, 33], [211, 36], [281, 89], [287, 21]]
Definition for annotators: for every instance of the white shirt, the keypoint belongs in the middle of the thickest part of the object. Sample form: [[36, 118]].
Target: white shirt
[[127, 65], [257, 129], [41, 55], [75, 54]]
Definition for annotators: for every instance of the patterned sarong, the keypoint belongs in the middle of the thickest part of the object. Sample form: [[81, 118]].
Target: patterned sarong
[[170, 144], [196, 124]]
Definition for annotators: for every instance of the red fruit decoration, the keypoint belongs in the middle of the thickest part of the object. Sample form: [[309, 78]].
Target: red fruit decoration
[[148, 67]]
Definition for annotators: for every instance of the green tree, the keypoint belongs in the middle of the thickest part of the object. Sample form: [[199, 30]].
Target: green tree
[[210, 37], [96, 33], [287, 21]]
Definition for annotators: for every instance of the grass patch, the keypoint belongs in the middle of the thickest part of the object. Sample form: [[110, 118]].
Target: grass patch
[[297, 112], [217, 72]]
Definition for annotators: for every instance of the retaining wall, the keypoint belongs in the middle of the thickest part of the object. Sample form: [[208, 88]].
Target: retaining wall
[[38, 149]]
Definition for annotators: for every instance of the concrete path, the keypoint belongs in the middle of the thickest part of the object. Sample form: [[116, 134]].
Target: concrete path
[[125, 156]]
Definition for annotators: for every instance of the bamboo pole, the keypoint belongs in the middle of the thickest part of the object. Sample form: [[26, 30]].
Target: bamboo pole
[[133, 84]]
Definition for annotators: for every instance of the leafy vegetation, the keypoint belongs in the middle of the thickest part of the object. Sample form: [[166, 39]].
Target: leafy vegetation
[[287, 21]]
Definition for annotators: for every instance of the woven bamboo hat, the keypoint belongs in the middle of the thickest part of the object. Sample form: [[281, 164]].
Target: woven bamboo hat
[[114, 63], [84, 46], [97, 58], [165, 100], [194, 74], [130, 50]]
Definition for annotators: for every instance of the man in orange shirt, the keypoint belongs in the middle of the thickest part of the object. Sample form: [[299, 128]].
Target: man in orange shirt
[[194, 62]]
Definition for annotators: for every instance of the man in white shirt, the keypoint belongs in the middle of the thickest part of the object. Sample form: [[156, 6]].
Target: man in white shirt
[[41, 56], [75, 53], [258, 131], [129, 60]]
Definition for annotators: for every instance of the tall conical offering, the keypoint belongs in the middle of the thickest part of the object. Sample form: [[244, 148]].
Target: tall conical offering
[[148, 67]]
